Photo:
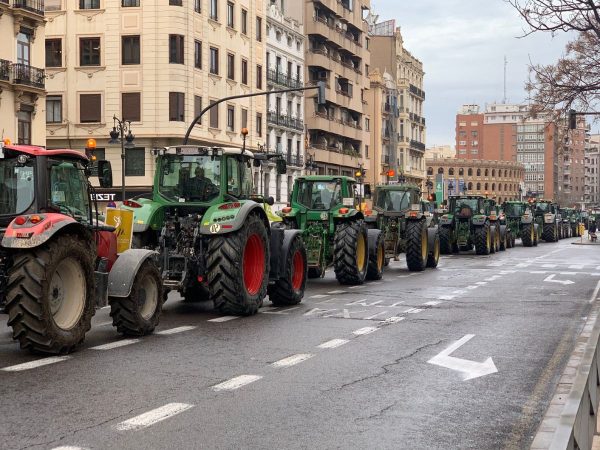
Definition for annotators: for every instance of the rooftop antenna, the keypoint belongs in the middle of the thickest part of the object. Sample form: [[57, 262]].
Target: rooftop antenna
[[505, 65]]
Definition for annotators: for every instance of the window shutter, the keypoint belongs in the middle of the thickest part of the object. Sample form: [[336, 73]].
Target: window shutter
[[90, 108], [131, 106]]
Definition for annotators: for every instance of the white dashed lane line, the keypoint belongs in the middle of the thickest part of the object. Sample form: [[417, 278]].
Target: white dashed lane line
[[337, 292], [412, 311], [236, 383], [34, 364], [334, 343], [365, 330], [292, 360], [151, 417], [176, 330], [223, 319], [433, 303], [319, 296], [69, 447], [117, 344]]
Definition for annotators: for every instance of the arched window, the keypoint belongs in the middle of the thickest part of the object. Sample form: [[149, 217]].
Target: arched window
[[430, 171], [470, 186], [493, 172], [487, 172], [461, 172], [486, 186], [505, 173], [478, 172], [493, 187], [500, 200], [451, 171], [470, 172], [505, 186], [441, 170], [499, 187], [478, 186]]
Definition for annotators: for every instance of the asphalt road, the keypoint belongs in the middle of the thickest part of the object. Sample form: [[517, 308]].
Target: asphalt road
[[348, 368]]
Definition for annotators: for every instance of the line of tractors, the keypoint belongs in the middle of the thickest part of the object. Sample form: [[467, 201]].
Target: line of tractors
[[204, 233]]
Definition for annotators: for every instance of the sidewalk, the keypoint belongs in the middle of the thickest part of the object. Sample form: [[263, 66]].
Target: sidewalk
[[585, 241]]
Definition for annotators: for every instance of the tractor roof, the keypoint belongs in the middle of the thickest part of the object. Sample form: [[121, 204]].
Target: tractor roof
[[201, 150], [34, 150], [398, 187], [467, 196], [326, 178]]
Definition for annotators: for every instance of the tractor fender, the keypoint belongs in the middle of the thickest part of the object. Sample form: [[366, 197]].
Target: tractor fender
[[479, 220], [281, 241], [218, 222], [124, 270], [446, 219], [150, 215], [432, 232], [526, 219], [353, 214], [31, 235]]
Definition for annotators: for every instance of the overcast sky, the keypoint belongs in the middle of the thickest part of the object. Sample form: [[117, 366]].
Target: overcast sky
[[462, 44]]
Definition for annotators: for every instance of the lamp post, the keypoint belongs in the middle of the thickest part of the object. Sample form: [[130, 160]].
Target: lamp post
[[121, 133], [310, 163], [450, 188], [520, 193]]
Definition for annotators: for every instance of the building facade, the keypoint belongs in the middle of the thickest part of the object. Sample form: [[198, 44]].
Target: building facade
[[388, 54], [469, 132], [440, 152], [500, 180], [157, 67], [571, 163], [22, 76], [285, 115], [592, 166], [337, 53]]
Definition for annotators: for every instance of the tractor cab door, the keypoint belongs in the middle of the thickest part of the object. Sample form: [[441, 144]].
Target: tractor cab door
[[69, 189]]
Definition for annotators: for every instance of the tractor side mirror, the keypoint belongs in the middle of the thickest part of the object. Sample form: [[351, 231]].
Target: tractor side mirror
[[281, 166], [105, 174], [367, 190], [270, 201]]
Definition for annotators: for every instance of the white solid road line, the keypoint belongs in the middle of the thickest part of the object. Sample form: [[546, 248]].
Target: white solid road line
[[595, 294], [236, 383], [365, 330], [337, 292], [334, 343], [151, 417], [34, 364], [319, 296], [176, 330], [292, 360], [434, 303], [223, 319], [412, 311], [117, 344], [69, 447]]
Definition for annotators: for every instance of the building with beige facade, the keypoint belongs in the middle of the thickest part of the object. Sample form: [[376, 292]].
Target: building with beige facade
[[22, 76], [440, 152], [337, 53], [388, 54], [499, 180], [156, 64]]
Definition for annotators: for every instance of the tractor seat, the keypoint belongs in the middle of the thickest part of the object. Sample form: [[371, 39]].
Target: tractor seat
[[465, 211]]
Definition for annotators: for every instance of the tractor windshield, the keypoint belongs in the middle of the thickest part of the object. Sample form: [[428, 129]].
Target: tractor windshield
[[464, 206], [17, 186], [543, 207], [514, 209], [319, 195], [393, 200], [69, 189], [190, 178]]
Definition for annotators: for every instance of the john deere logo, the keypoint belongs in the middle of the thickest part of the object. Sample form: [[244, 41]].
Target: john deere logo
[[215, 228]]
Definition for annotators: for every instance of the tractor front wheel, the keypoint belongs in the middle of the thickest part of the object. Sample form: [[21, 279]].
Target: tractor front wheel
[[376, 255], [417, 245], [434, 254], [528, 235], [483, 240], [351, 252], [289, 289], [50, 295], [445, 240], [238, 268], [550, 232]]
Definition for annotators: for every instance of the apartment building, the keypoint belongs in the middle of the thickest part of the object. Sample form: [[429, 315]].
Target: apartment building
[[571, 146], [440, 152], [22, 77], [156, 66], [469, 132], [389, 54], [592, 170], [285, 115], [337, 53]]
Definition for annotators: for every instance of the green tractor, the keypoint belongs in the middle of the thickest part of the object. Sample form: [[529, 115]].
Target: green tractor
[[519, 219], [503, 237], [574, 221], [334, 230], [213, 236], [408, 225], [466, 225], [549, 218]]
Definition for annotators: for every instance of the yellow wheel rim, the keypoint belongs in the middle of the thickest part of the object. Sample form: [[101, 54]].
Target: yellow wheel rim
[[488, 239], [436, 250], [532, 238], [424, 245], [360, 252], [380, 257]]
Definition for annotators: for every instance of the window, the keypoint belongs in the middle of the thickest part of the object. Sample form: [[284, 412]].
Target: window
[[176, 106], [130, 48], [259, 29], [230, 118], [53, 52], [214, 9], [278, 188], [197, 108], [244, 72], [198, 6], [259, 125], [89, 4], [244, 118], [259, 76], [90, 108], [214, 61], [198, 54], [89, 51], [366, 151], [130, 3], [244, 22], [230, 66], [230, 11], [176, 2], [131, 106], [135, 162], [367, 124], [54, 109], [214, 115], [176, 49]]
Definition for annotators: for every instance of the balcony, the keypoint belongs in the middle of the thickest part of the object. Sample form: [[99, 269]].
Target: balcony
[[345, 39], [281, 79], [338, 127], [23, 74], [417, 92], [416, 145], [30, 9], [284, 121], [294, 160]]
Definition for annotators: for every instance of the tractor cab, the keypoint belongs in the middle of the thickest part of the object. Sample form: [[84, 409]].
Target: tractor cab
[[397, 199], [466, 206]]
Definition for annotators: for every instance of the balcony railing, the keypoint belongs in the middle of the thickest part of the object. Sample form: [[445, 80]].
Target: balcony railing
[[345, 34], [4, 69], [34, 6], [274, 76], [417, 145], [284, 121], [416, 91], [294, 160], [28, 75]]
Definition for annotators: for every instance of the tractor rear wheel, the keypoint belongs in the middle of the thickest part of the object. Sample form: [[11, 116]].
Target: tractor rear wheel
[[434, 253], [528, 235], [351, 252], [550, 232], [417, 245], [376, 256], [138, 314], [289, 289], [445, 240], [50, 295], [238, 268], [504, 241], [483, 240]]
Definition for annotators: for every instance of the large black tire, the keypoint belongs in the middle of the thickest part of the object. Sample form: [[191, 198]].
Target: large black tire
[[417, 245], [503, 240], [196, 293], [289, 289], [483, 240], [138, 314], [494, 239], [231, 258], [351, 252], [536, 234], [376, 255], [445, 240], [315, 272], [509, 239], [35, 281], [550, 232], [434, 253], [528, 235]]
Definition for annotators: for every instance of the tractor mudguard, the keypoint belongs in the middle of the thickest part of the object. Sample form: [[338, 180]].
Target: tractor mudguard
[[549, 218], [281, 240], [446, 219], [219, 220], [150, 215], [124, 270], [478, 220], [352, 214], [31, 235]]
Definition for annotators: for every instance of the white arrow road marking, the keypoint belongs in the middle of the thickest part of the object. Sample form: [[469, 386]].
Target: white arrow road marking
[[34, 364], [550, 279], [471, 369], [154, 416], [236, 383], [292, 360]]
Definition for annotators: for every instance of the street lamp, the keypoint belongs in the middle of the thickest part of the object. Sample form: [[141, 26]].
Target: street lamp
[[450, 188], [520, 193], [121, 133], [311, 164], [429, 185]]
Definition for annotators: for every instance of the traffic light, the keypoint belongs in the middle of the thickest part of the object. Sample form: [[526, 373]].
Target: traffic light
[[90, 147], [360, 172], [572, 119], [321, 97], [431, 197]]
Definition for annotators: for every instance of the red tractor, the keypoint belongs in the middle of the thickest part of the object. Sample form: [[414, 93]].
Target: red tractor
[[58, 263]]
